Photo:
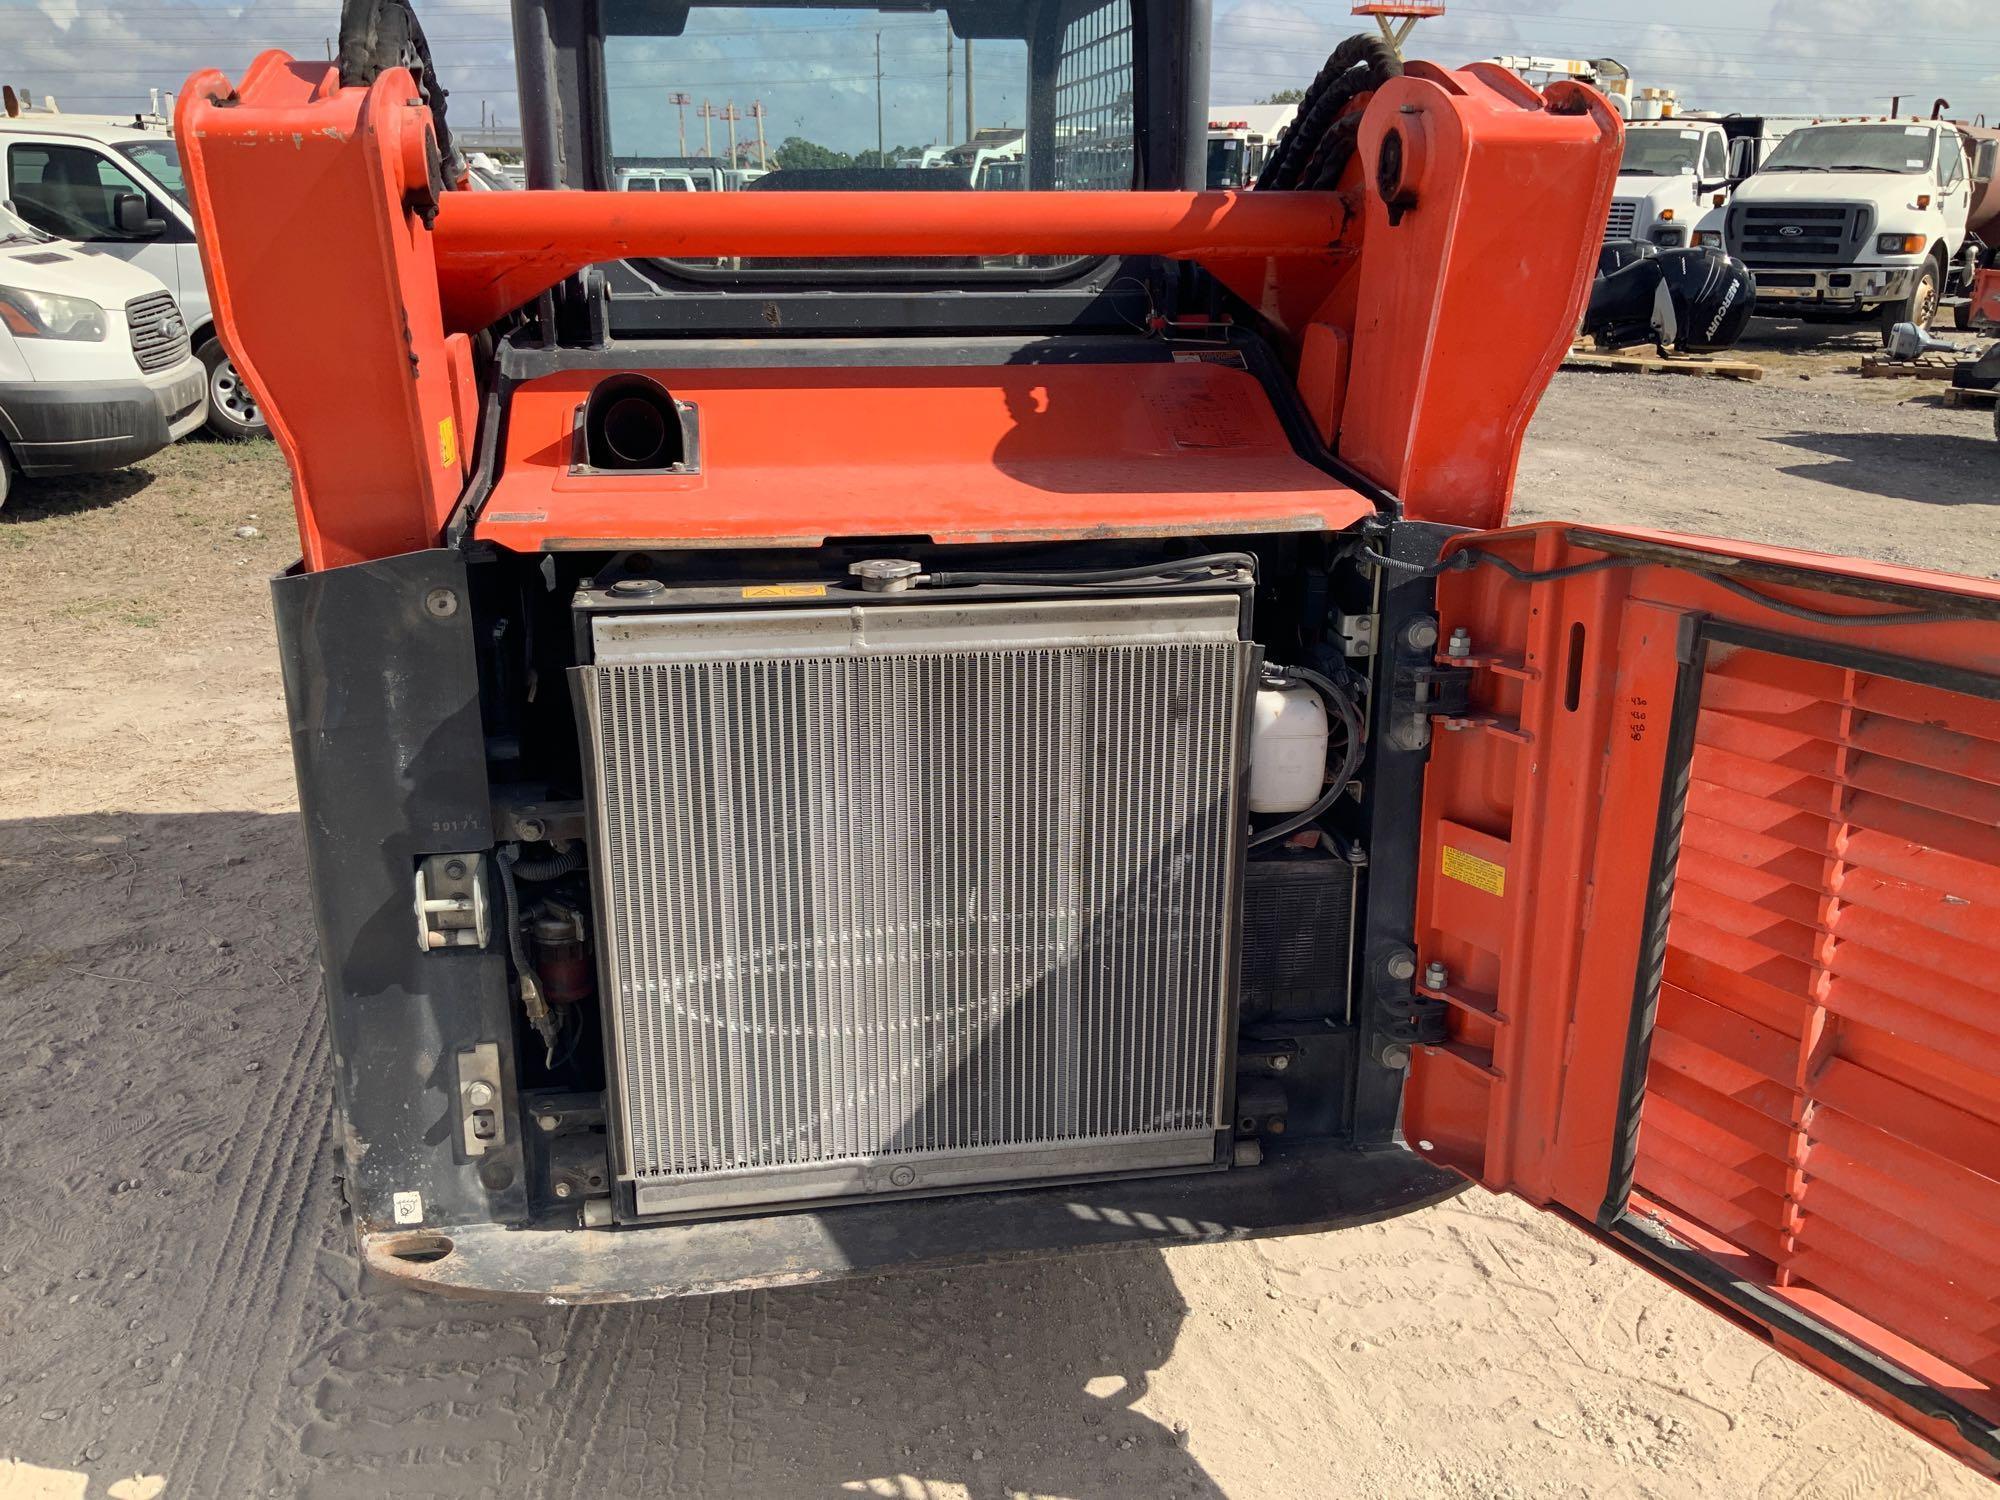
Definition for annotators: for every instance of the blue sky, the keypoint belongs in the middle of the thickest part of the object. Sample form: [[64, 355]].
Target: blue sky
[[1771, 55]]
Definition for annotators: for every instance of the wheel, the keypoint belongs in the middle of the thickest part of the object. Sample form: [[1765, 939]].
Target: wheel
[[232, 410], [1996, 421], [1920, 306], [1961, 316], [6, 475]]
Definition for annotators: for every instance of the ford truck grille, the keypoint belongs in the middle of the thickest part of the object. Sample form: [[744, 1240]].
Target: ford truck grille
[[1624, 214], [159, 336], [1776, 235], [902, 899]]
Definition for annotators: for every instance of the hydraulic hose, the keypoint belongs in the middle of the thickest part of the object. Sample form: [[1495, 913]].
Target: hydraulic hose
[[1320, 143], [1350, 761]]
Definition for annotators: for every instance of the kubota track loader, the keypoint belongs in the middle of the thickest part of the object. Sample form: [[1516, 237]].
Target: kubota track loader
[[863, 721]]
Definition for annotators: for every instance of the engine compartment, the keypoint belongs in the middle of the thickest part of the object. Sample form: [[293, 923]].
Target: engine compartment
[[837, 875]]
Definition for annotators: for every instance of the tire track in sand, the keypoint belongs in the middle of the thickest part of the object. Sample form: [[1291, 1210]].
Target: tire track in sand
[[266, 1250]]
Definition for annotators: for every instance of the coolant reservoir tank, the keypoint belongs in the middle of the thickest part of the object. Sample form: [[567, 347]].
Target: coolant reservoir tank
[[1287, 749]]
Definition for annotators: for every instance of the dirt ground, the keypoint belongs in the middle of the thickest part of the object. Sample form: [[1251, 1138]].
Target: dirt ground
[[178, 1313]]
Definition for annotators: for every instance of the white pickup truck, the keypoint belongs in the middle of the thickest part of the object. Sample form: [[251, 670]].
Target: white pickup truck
[[1858, 219]]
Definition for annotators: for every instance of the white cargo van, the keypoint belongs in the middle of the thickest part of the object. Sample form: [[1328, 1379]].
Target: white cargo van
[[115, 184], [95, 367]]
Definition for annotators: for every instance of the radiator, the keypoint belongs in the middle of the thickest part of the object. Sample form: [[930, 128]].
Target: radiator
[[908, 898]]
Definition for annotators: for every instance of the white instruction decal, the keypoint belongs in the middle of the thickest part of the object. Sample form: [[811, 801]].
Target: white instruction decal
[[409, 1208]]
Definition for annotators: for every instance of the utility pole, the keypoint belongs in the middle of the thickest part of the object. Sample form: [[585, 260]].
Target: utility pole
[[708, 113], [730, 117], [945, 140], [680, 102], [757, 113], [971, 125], [881, 155]]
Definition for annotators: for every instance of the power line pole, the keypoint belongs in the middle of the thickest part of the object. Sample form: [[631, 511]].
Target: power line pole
[[730, 117], [680, 102], [971, 126], [757, 114], [946, 139], [708, 114], [881, 157]]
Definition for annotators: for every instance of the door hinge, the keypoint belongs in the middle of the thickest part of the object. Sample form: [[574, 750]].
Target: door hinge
[[1421, 691], [1403, 1018]]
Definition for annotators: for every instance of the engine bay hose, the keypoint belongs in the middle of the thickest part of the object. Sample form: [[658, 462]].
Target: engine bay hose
[[1213, 565], [568, 862], [1313, 153]]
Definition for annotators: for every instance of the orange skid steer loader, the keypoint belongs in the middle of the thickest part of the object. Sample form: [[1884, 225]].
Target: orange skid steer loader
[[863, 719]]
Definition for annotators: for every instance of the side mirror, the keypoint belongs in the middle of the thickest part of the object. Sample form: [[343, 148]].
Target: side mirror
[[128, 212], [1986, 164]]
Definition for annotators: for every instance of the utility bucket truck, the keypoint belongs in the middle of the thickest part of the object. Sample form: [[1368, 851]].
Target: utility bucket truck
[[846, 730]]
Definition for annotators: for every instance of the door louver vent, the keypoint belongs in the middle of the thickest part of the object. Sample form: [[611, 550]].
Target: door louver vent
[[1820, 1085]]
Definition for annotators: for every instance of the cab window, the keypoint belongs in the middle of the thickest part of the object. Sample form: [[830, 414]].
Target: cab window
[[1951, 163], [72, 191], [1714, 159]]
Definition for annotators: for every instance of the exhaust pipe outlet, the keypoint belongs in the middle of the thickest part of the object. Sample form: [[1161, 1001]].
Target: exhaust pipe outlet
[[632, 422]]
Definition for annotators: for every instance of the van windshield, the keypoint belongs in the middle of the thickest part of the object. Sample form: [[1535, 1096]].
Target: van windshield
[[1855, 148], [780, 98]]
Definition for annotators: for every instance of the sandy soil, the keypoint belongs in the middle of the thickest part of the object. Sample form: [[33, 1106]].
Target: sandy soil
[[178, 1313]]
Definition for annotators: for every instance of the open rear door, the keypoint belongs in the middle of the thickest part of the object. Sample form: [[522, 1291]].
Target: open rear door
[[1711, 896]]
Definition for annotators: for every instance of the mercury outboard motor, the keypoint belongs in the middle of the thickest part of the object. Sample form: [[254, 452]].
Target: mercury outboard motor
[[1687, 301]]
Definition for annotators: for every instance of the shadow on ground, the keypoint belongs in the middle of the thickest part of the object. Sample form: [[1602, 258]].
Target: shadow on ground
[[182, 1300], [1932, 468]]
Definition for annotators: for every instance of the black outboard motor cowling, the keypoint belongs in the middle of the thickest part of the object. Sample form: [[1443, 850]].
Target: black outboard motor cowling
[[1689, 301]]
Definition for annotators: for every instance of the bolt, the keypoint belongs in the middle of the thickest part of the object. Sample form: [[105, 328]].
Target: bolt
[[1460, 643], [1436, 975], [1421, 633], [532, 830], [1281, 1062], [562, 1189], [455, 868], [1395, 1055], [548, 1122], [903, 1176], [442, 604], [479, 1093], [1402, 964]]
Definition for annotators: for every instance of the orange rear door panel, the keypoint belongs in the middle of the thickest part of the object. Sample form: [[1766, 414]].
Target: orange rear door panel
[[1712, 867]]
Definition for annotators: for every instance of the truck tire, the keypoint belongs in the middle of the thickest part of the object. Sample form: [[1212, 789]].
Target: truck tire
[[232, 410], [6, 476], [1922, 303]]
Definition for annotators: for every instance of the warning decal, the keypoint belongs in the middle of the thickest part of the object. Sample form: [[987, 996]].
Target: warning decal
[[1474, 871], [785, 591]]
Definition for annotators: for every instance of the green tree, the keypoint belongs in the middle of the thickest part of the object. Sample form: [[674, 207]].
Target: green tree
[[796, 153], [1284, 96]]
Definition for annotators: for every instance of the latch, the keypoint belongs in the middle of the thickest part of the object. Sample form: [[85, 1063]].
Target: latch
[[451, 902], [482, 1121], [1355, 633]]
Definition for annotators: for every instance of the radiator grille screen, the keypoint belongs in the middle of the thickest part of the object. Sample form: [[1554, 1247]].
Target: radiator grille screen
[[872, 909]]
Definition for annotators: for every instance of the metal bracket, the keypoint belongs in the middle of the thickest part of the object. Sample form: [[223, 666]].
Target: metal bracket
[[1355, 633], [482, 1119], [451, 902], [1431, 689]]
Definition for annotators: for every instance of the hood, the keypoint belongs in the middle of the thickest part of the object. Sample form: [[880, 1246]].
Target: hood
[[1671, 191], [1831, 187], [72, 270]]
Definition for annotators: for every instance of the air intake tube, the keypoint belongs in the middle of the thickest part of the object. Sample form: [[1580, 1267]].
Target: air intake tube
[[632, 422]]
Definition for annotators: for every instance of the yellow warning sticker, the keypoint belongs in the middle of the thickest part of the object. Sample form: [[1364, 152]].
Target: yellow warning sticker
[[1474, 871], [447, 444], [786, 591]]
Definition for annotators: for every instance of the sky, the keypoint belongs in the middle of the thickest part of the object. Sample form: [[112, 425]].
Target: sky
[[1772, 56]]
